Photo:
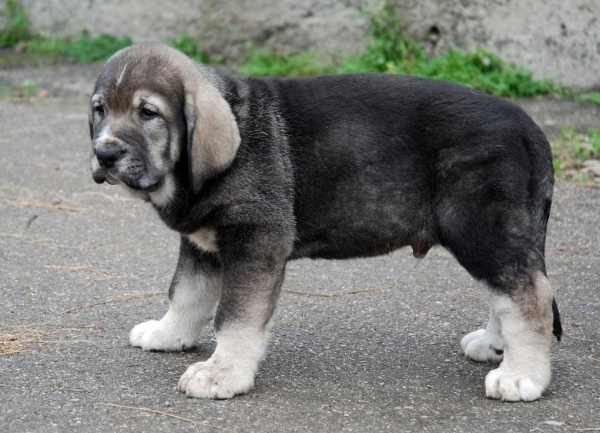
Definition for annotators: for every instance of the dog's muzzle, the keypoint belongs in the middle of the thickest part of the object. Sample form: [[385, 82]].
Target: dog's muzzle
[[107, 155]]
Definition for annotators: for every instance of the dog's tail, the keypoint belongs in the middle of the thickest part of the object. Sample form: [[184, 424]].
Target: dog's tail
[[541, 186], [556, 325]]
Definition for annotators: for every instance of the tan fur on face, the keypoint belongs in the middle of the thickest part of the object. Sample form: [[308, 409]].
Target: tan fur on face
[[147, 97], [156, 102], [214, 139]]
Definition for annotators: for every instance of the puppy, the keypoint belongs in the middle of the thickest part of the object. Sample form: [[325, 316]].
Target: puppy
[[253, 172]]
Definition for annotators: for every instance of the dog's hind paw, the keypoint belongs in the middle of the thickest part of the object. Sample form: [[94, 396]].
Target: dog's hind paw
[[483, 346], [506, 386], [161, 335], [214, 379]]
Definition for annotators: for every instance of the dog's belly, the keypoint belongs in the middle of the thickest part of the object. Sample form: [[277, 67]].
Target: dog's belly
[[351, 235], [350, 245], [364, 207]]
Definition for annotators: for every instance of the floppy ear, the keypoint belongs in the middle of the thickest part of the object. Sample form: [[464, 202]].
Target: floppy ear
[[213, 135]]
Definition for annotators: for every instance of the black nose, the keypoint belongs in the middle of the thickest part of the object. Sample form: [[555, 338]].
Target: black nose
[[108, 156]]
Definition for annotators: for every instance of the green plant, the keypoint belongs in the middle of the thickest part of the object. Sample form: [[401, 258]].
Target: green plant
[[589, 97], [24, 89], [43, 45], [288, 64], [389, 50], [83, 48], [481, 70], [192, 48], [387, 47], [571, 148], [86, 49], [16, 25], [28, 88]]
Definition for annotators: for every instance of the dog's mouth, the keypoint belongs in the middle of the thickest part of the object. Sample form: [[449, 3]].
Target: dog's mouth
[[101, 176], [145, 184]]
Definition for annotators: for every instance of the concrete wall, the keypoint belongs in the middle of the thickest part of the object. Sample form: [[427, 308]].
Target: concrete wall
[[555, 38]]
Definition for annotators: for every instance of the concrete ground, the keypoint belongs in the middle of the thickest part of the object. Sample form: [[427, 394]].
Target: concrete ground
[[360, 346]]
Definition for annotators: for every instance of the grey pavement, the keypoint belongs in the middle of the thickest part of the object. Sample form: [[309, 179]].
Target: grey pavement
[[383, 359]]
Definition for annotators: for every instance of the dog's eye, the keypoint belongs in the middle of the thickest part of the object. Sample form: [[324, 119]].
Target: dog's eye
[[148, 114], [99, 110]]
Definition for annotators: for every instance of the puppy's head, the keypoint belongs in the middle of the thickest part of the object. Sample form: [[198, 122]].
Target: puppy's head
[[151, 106]]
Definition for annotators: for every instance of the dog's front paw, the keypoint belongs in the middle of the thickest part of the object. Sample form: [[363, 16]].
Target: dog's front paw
[[483, 346], [503, 385], [161, 335], [214, 379]]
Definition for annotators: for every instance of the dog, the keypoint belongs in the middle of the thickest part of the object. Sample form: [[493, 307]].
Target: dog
[[254, 172]]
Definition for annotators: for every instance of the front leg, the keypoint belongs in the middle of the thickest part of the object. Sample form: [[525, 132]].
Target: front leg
[[193, 295], [253, 274]]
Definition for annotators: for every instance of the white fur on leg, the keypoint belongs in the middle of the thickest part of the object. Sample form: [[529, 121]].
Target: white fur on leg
[[193, 305], [485, 345], [503, 385], [524, 374], [230, 370]]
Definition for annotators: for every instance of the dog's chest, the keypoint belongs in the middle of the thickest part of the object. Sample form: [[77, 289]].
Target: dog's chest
[[205, 239]]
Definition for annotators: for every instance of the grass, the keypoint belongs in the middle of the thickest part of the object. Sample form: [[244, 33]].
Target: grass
[[192, 48], [480, 70], [572, 147], [262, 63], [82, 48], [589, 97], [390, 51], [16, 24], [26, 89]]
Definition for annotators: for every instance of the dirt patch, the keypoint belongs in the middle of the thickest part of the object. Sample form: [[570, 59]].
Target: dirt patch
[[24, 338]]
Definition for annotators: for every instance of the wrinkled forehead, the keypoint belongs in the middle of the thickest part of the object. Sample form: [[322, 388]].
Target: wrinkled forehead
[[126, 79]]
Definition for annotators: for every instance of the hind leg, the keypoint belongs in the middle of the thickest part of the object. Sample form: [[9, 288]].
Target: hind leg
[[521, 317], [485, 345], [520, 322], [525, 317], [486, 219]]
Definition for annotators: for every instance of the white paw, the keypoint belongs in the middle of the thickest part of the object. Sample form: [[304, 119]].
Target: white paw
[[483, 346], [161, 335], [214, 379], [503, 385]]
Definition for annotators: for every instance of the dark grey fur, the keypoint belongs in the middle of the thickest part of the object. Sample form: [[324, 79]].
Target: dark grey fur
[[360, 165]]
